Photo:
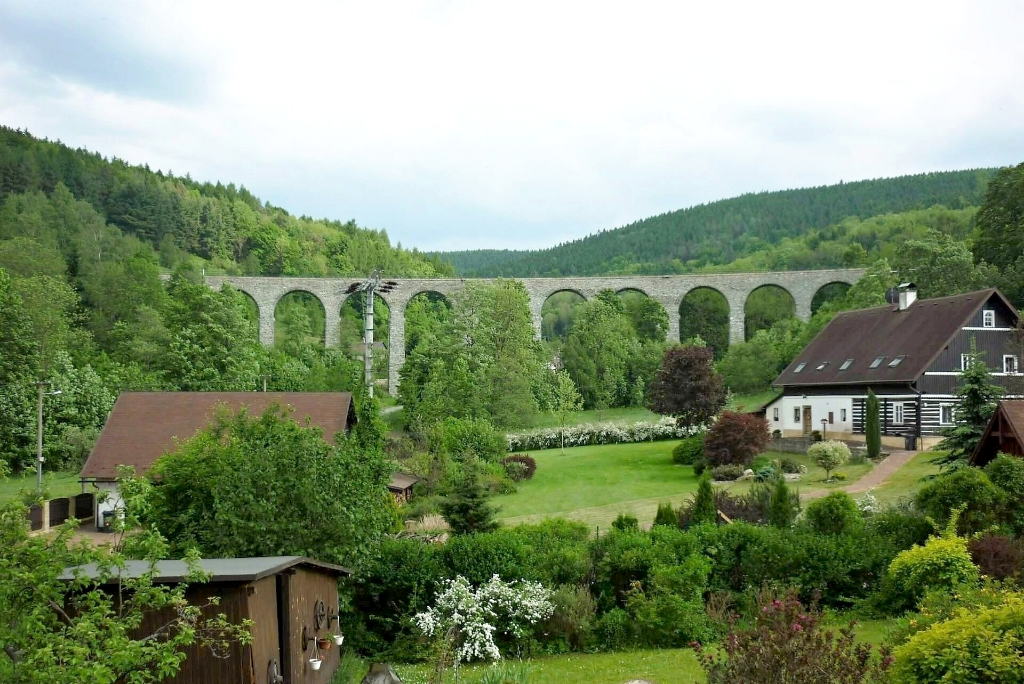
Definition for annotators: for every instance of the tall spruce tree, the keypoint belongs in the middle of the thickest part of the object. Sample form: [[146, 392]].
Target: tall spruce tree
[[872, 426], [704, 510], [466, 509], [978, 398]]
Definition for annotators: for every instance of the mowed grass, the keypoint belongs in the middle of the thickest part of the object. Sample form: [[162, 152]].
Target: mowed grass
[[664, 666], [905, 482], [55, 485], [594, 484]]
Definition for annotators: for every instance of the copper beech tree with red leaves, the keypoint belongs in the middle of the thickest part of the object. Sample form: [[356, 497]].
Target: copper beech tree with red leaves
[[786, 645], [687, 387], [735, 439]]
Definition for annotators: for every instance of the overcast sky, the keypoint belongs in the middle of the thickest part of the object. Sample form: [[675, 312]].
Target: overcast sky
[[518, 124]]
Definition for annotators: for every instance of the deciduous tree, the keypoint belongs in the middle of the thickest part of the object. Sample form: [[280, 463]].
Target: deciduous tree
[[687, 387]]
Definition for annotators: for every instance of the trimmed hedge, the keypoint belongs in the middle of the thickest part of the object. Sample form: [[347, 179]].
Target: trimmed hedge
[[597, 433]]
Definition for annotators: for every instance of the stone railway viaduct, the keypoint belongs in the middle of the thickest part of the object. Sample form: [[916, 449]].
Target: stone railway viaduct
[[669, 290]]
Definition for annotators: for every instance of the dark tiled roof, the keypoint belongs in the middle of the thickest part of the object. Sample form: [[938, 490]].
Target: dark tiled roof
[[219, 569], [402, 481], [917, 334], [144, 425]]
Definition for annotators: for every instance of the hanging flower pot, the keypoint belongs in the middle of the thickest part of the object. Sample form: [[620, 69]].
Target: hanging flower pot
[[339, 639], [315, 663], [323, 644]]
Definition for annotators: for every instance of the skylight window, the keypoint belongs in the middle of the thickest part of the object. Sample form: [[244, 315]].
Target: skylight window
[[897, 361], [877, 362], [799, 368], [821, 366], [846, 364]]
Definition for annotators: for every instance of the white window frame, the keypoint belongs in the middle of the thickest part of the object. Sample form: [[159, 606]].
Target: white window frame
[[842, 415], [964, 360], [952, 414], [899, 413], [796, 415], [988, 318], [1006, 366], [775, 414]]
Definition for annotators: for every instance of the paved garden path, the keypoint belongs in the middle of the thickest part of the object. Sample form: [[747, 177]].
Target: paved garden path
[[875, 477]]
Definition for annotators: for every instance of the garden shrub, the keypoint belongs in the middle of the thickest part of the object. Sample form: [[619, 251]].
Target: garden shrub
[[689, 449], [663, 619], [520, 466], [479, 557], [760, 462], [829, 455], [943, 563], [626, 522], [727, 473], [902, 525], [836, 513], [735, 438], [791, 467], [968, 489], [785, 643], [461, 437], [765, 473], [699, 466], [980, 645], [598, 433], [1007, 473], [999, 556], [615, 630], [573, 621], [666, 515]]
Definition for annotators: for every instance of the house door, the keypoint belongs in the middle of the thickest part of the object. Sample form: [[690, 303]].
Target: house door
[[807, 420]]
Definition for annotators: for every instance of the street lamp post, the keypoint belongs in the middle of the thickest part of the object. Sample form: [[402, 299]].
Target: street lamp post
[[823, 423], [39, 435]]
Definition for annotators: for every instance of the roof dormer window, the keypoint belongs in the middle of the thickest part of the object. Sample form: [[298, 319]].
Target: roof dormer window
[[799, 368], [897, 361], [821, 366], [877, 362], [846, 364], [988, 318]]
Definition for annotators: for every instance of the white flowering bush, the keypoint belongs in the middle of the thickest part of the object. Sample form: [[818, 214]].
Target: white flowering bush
[[598, 433], [470, 617], [868, 503]]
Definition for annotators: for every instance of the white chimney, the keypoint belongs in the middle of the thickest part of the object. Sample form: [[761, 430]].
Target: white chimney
[[908, 295]]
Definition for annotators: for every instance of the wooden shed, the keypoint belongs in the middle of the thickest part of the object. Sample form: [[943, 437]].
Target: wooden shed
[[290, 599], [401, 485], [1004, 434]]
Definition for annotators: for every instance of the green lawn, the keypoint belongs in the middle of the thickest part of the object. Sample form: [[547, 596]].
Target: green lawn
[[594, 484], [908, 479], [56, 485]]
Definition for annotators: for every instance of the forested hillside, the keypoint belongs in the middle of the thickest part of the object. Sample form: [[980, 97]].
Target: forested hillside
[[224, 225], [730, 231]]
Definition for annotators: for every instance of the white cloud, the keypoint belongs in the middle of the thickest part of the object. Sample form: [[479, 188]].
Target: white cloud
[[472, 124]]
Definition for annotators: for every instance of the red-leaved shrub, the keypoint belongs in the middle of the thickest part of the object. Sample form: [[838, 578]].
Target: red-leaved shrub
[[523, 472], [735, 438], [998, 556]]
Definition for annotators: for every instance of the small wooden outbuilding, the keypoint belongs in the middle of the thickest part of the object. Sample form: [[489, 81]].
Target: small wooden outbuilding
[[401, 486], [1004, 434], [291, 600]]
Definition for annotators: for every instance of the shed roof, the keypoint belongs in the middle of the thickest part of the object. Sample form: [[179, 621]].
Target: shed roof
[[1012, 413], [145, 425], [401, 481], [916, 334], [219, 569]]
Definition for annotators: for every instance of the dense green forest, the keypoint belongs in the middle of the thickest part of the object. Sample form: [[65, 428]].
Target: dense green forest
[[725, 233]]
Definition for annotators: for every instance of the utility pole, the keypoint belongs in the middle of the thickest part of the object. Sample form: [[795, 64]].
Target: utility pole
[[369, 287], [39, 435]]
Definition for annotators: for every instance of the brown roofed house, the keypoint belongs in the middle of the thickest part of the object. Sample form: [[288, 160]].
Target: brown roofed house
[[145, 425], [1004, 434], [910, 353]]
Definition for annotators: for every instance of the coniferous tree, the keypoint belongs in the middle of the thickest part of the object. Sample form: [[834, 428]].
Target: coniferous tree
[[666, 515], [978, 398], [872, 426], [783, 509], [704, 510], [466, 509]]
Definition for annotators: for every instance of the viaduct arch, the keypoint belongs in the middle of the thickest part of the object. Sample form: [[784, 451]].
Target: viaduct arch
[[668, 290]]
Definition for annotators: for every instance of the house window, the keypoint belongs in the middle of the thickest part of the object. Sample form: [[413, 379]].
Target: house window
[[799, 368], [796, 414], [897, 361], [846, 364], [965, 361], [897, 414], [831, 420], [988, 318], [946, 416], [775, 414], [877, 362], [842, 415], [1010, 364], [821, 366]]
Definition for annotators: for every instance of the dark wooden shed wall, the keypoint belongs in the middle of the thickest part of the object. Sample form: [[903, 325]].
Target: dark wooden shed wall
[[302, 589], [265, 632]]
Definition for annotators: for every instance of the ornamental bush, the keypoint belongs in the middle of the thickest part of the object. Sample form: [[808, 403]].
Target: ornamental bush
[[968, 490], [829, 455], [942, 564], [980, 645], [689, 449], [998, 556], [597, 433], [1007, 473], [727, 473], [520, 466], [836, 513], [735, 438]]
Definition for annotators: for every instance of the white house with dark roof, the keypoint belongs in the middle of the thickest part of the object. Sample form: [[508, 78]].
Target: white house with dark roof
[[910, 353]]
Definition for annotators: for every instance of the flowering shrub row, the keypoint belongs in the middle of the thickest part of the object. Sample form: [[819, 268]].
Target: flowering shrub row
[[597, 433]]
